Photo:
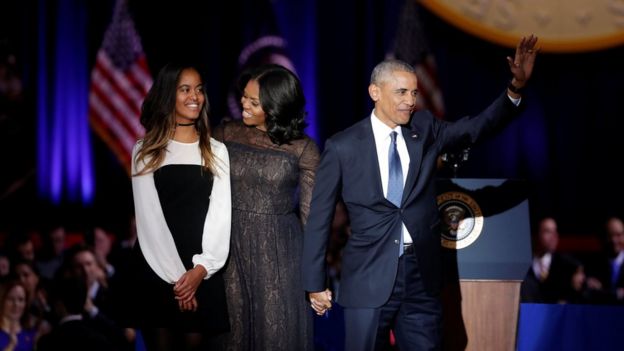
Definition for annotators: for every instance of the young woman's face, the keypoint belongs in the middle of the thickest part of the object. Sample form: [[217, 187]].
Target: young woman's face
[[27, 276], [189, 96], [15, 303], [253, 114]]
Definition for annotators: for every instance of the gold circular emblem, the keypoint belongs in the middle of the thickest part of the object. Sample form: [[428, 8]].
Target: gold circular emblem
[[561, 25], [462, 220]]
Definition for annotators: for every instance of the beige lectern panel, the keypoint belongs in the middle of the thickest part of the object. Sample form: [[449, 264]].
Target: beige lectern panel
[[490, 313]]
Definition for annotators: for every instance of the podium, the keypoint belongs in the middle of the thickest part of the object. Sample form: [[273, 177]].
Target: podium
[[485, 232]]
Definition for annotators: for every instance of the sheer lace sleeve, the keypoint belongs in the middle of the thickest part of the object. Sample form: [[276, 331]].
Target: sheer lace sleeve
[[308, 161]]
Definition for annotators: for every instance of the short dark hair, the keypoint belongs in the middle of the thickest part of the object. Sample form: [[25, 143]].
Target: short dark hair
[[282, 100], [387, 66]]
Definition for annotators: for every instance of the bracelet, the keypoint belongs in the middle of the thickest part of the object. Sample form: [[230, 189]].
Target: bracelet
[[515, 89]]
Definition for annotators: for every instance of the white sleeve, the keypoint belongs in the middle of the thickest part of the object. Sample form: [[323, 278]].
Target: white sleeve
[[216, 237], [154, 237]]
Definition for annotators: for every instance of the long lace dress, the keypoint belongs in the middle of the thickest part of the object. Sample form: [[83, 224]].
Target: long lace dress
[[266, 300]]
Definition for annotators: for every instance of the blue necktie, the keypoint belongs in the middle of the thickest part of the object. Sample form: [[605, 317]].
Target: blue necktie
[[395, 179], [615, 272]]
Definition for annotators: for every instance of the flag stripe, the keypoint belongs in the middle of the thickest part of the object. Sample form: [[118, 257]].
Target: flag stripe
[[111, 122], [131, 88], [102, 130], [105, 108], [108, 87]]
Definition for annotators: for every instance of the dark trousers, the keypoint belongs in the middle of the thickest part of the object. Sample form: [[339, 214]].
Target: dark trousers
[[413, 315]]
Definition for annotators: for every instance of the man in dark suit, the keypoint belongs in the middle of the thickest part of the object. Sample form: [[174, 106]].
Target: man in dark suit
[[606, 275], [74, 332], [550, 279], [383, 168]]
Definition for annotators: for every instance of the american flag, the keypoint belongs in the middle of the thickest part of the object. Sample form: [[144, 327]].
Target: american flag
[[411, 46], [119, 82]]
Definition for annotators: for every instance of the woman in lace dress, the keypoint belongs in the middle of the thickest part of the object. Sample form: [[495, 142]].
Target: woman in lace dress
[[181, 186], [272, 174]]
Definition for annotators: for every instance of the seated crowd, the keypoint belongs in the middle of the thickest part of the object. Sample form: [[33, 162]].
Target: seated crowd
[[62, 293]]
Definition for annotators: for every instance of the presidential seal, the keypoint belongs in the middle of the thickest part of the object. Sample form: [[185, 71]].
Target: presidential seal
[[561, 25], [461, 219]]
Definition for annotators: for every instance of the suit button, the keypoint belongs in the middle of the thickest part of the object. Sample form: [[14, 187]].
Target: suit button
[[401, 211], [396, 241]]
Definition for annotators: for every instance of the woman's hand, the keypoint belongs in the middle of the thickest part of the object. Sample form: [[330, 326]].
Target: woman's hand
[[185, 288]]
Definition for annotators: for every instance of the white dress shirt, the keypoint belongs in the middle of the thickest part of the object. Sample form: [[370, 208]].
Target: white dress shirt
[[381, 132]]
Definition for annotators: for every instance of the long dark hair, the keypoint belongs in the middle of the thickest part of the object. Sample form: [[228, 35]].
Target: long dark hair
[[158, 118], [282, 101]]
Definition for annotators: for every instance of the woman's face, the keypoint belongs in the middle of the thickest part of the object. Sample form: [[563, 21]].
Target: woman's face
[[253, 114], [15, 303], [189, 96], [27, 276]]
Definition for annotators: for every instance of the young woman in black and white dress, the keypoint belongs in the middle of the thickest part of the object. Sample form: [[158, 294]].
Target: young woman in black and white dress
[[181, 188]]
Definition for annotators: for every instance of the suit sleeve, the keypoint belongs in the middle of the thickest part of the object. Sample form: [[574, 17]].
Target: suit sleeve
[[318, 226], [472, 129]]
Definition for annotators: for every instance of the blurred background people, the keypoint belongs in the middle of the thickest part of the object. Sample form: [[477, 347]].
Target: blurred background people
[[73, 332], [17, 333], [607, 273], [553, 276], [51, 257]]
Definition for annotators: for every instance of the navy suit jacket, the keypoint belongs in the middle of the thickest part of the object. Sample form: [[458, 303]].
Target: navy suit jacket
[[349, 168]]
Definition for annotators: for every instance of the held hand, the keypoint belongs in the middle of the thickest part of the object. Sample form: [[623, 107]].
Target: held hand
[[320, 301], [188, 306], [521, 65], [184, 289]]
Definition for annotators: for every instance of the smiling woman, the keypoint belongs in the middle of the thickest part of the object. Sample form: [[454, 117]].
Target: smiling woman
[[181, 187], [190, 98], [15, 334], [273, 166]]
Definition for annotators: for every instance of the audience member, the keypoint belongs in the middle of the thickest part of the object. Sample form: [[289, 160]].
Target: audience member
[[102, 242], [74, 332], [550, 277], [82, 262], [16, 331], [36, 292], [607, 273], [51, 256], [5, 266], [21, 246]]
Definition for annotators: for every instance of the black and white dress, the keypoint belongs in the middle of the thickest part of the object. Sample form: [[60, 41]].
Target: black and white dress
[[183, 217]]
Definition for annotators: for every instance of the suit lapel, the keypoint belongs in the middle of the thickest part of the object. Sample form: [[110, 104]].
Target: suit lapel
[[413, 141], [367, 147]]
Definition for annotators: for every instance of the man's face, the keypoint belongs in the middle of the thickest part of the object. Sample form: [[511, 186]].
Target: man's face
[[85, 263], [395, 97], [548, 234], [615, 232]]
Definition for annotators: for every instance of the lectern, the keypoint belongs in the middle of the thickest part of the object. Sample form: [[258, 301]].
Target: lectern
[[485, 234]]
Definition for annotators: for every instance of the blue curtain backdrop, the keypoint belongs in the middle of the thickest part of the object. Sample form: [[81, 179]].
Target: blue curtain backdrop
[[567, 144]]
